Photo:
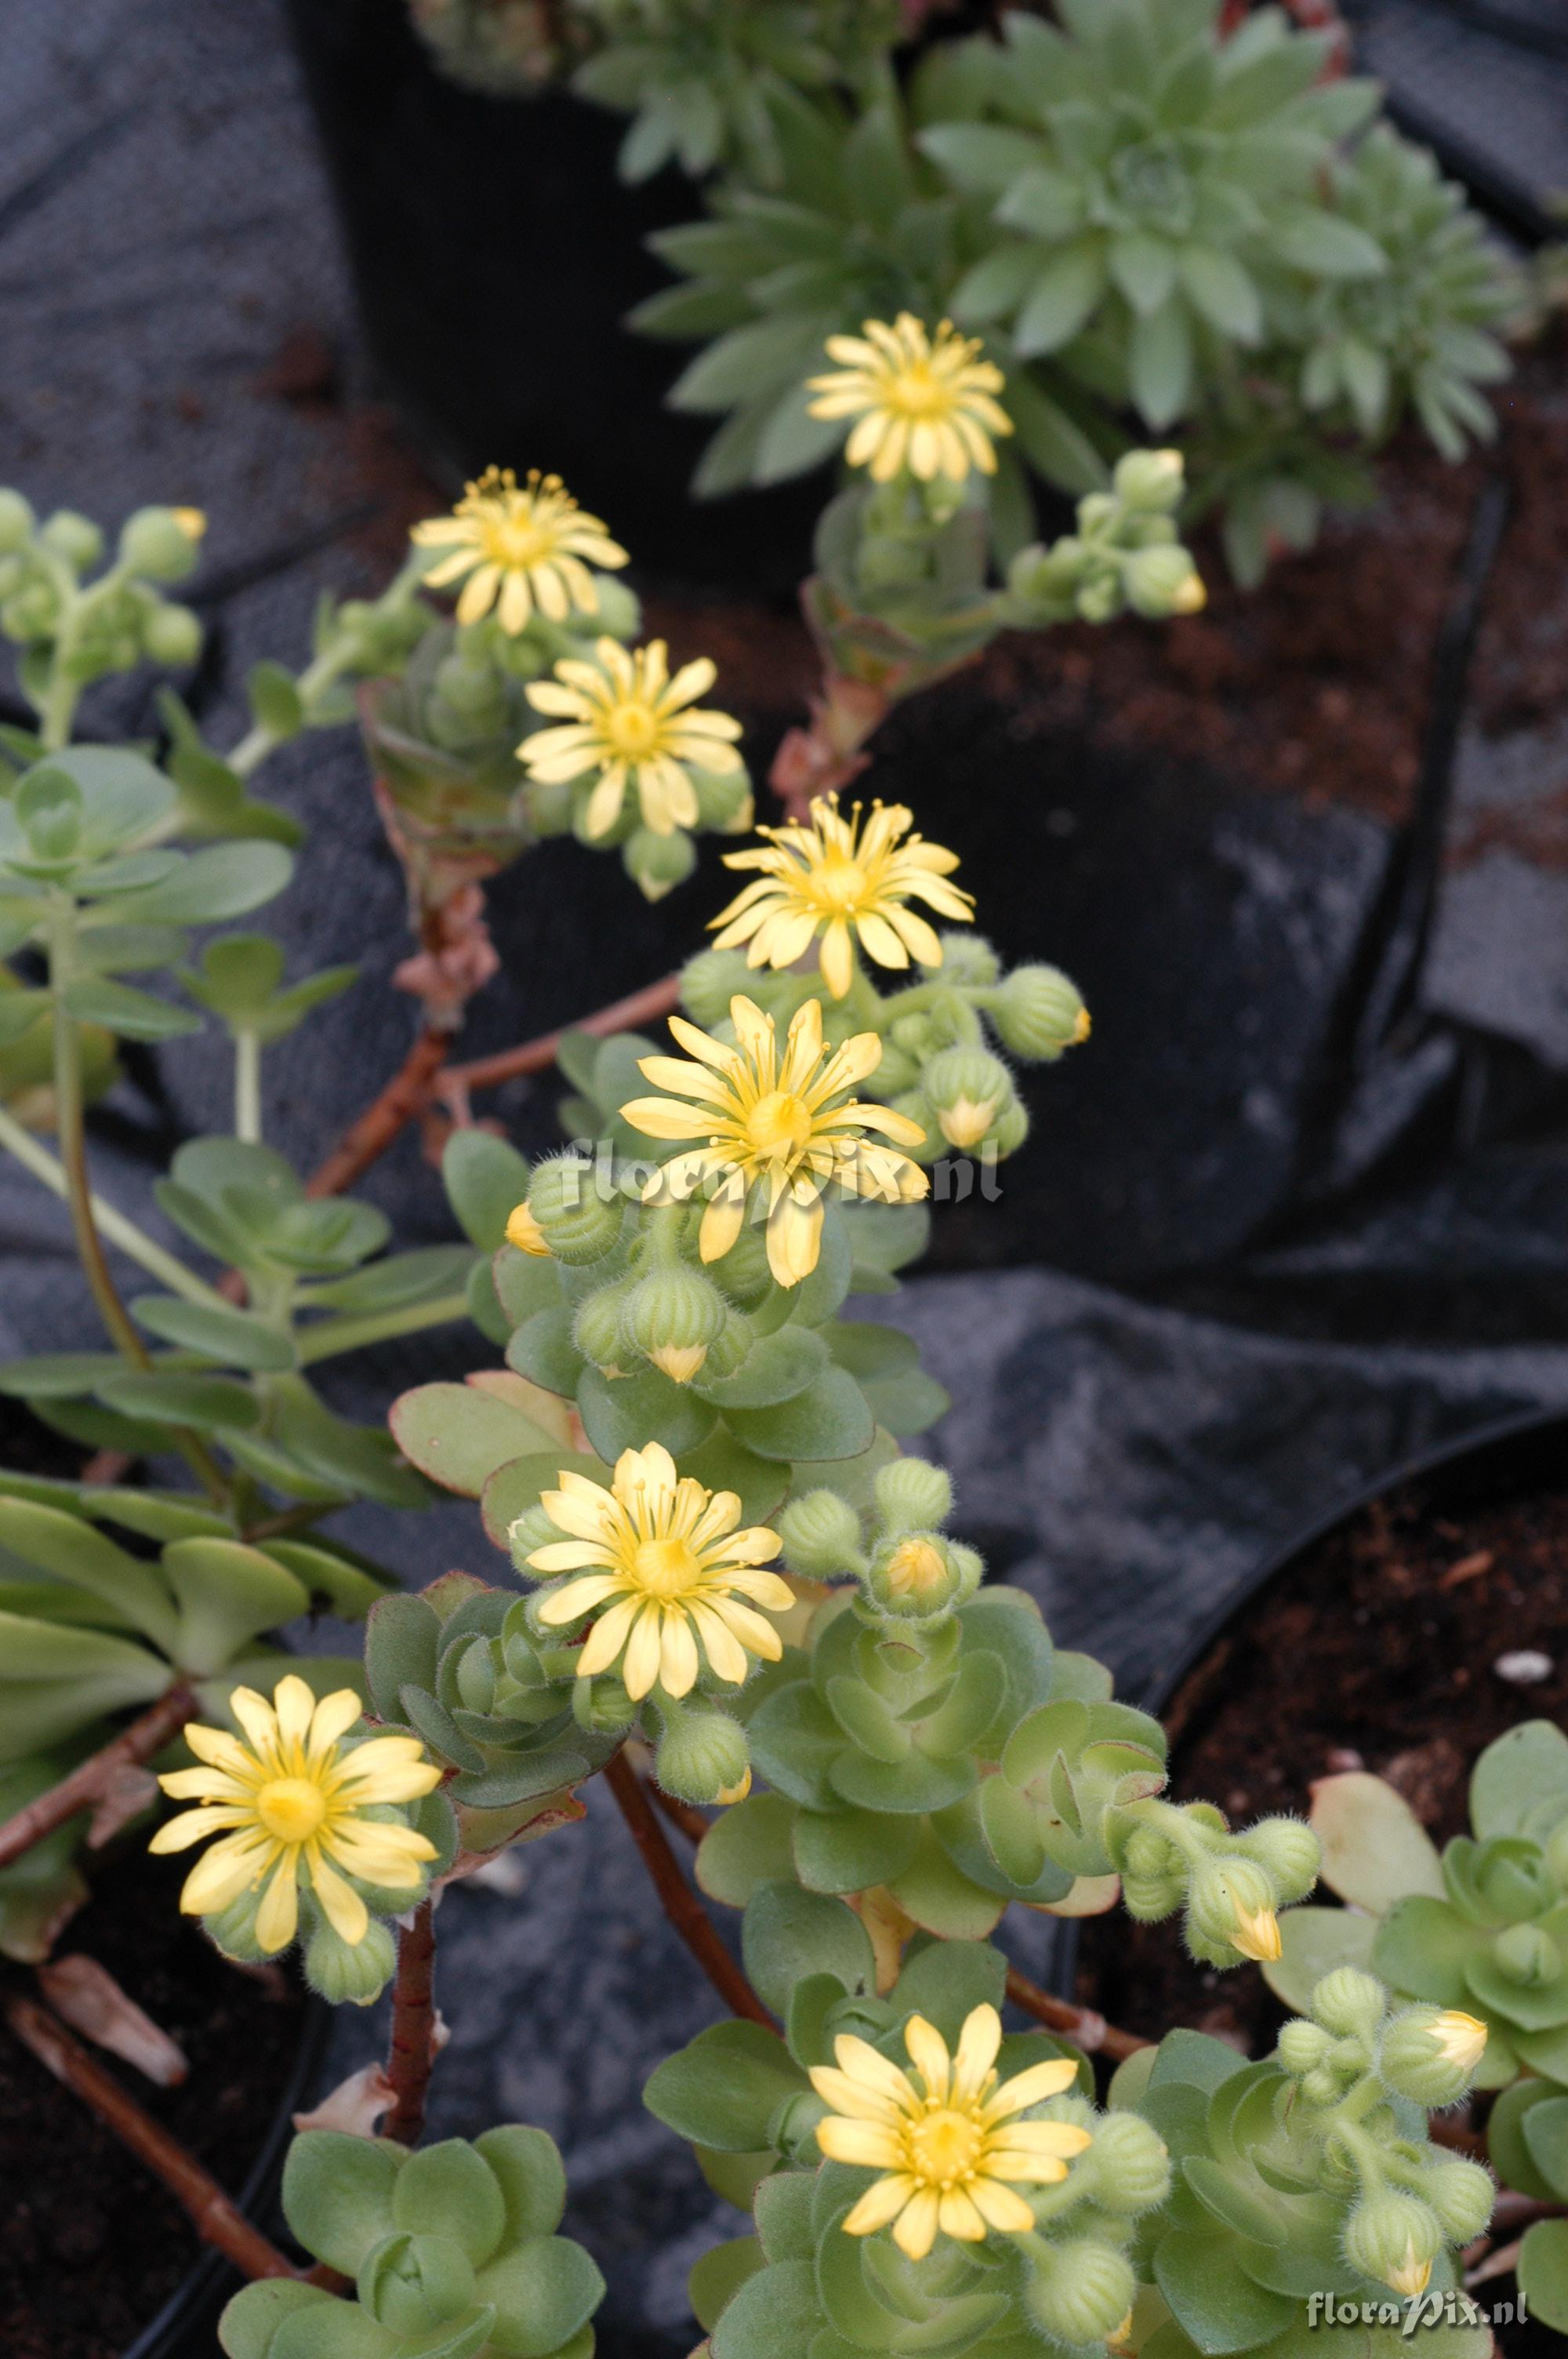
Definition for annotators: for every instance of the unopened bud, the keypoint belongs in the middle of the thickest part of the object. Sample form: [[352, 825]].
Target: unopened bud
[[524, 1231], [724, 801], [579, 1224], [730, 1348], [1289, 1849], [530, 1531], [1149, 479], [1348, 2003], [1303, 2047], [1430, 2057], [162, 544], [658, 862], [1163, 581], [598, 1328], [671, 1317], [602, 1705], [351, 1975], [1078, 2291], [16, 522], [821, 1536], [708, 981], [914, 1576], [913, 1494], [172, 636], [1128, 2164], [75, 537], [969, 1088], [968, 962], [1394, 2238], [1039, 1013], [702, 1756], [1461, 2194], [1232, 1903]]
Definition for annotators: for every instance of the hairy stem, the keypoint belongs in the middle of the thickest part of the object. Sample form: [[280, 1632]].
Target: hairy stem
[[411, 2050], [681, 1904], [92, 1778], [215, 2217]]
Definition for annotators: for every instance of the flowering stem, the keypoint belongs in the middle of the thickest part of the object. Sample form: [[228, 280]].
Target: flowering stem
[[380, 1123], [411, 2051], [535, 1056], [681, 1904], [1081, 2024], [94, 1776], [216, 2218]]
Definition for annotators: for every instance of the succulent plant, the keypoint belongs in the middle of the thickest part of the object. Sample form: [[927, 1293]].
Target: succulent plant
[[452, 2251]]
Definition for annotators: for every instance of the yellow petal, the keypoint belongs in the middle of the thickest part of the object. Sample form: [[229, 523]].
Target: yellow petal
[[277, 1918], [914, 2231], [341, 1904]]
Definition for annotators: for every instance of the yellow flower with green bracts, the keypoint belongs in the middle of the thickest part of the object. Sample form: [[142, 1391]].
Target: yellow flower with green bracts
[[783, 1124], [662, 1555], [830, 875], [924, 404], [625, 718], [517, 547], [947, 2136], [289, 1800]]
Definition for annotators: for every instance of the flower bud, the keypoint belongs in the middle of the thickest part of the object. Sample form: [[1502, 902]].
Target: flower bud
[[913, 1494], [821, 1536], [172, 636], [16, 522], [915, 1575], [969, 1088], [162, 544], [412, 2284], [1395, 2238], [75, 537], [1129, 2165], [968, 962], [1348, 2003], [1038, 1013], [1147, 1898], [234, 1929], [530, 1531], [1461, 2194], [969, 1570], [701, 1755], [1289, 1849], [658, 862], [1009, 1130], [1149, 479], [1302, 2046], [349, 1976], [915, 1106], [1231, 1903], [708, 981], [724, 803], [524, 1231], [602, 1705], [672, 1316], [1162, 582], [744, 1269], [1080, 2291], [1527, 1955], [598, 1328], [730, 1348], [1430, 2057], [579, 1224]]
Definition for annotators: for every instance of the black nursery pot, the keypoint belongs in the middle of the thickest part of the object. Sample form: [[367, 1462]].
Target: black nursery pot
[[495, 254]]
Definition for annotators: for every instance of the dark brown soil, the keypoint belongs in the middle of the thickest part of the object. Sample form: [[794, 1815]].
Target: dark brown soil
[[93, 2246], [1377, 1651]]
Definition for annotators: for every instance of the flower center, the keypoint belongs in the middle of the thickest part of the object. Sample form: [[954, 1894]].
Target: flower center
[[518, 544], [666, 1568], [945, 2146], [840, 882], [631, 729], [918, 392], [291, 1808], [779, 1124]]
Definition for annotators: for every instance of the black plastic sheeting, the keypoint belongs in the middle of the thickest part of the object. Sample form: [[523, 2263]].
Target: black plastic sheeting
[[1299, 1212]]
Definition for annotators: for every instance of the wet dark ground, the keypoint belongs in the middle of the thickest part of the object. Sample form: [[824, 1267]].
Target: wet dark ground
[[1232, 1276]]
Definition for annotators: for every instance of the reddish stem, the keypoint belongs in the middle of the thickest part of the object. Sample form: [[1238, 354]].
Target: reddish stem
[[412, 2050], [534, 1056], [216, 2218], [1081, 2024], [681, 1904], [92, 1778], [379, 1124]]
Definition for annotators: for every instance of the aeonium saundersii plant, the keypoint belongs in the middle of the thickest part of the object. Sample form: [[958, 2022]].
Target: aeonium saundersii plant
[[722, 1580]]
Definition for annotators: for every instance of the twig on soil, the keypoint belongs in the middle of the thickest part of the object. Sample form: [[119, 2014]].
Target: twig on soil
[[1081, 2024], [681, 1904], [94, 1778], [412, 2050], [216, 2218]]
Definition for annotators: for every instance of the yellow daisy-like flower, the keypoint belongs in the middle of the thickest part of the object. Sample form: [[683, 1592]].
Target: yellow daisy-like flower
[[627, 719], [783, 1124], [828, 877], [1255, 1933], [948, 2136], [927, 406], [663, 1554], [289, 1802], [1460, 2039], [517, 546]]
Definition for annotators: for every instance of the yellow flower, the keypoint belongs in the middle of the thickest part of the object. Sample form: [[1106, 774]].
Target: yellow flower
[[1255, 1933], [1460, 2039], [524, 1231], [629, 720], [519, 547], [664, 1554], [947, 2136], [293, 1799], [783, 1125], [826, 877], [921, 405]]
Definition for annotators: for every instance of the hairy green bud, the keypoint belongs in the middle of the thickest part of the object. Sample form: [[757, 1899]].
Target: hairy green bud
[[75, 537], [969, 1090], [1162, 582], [1348, 2003], [16, 522], [1430, 2055], [914, 1575], [1290, 1851], [731, 1347], [672, 1316], [530, 1531], [1149, 479], [1230, 1908], [1303, 2047], [821, 1536], [968, 961], [172, 636], [708, 981], [702, 1756], [1129, 2165], [351, 1975], [580, 1225], [1395, 2238], [1078, 2291], [162, 544], [1461, 2194], [913, 1494], [597, 1324], [724, 801], [658, 862], [1039, 1013]]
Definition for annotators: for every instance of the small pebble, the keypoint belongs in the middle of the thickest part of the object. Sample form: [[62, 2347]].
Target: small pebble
[[1344, 1757], [1525, 1668]]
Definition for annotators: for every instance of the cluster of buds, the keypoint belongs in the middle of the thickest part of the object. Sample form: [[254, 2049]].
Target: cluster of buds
[[1230, 1884], [1126, 552], [911, 1574], [85, 629], [1352, 2058]]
